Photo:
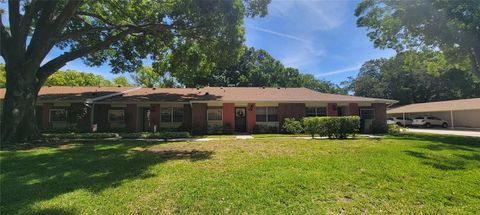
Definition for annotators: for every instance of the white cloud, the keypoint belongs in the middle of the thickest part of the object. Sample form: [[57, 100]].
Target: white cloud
[[312, 15], [288, 36], [338, 71]]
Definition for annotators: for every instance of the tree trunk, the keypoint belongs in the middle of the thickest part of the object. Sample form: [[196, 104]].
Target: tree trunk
[[475, 60], [18, 117]]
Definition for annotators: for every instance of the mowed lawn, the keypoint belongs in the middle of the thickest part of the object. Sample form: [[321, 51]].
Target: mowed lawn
[[409, 174]]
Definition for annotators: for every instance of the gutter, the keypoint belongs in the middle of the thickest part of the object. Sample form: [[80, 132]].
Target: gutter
[[91, 103]]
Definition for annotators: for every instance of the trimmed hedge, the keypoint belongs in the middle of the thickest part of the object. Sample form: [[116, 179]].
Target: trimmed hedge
[[292, 126], [80, 135], [138, 135], [332, 127], [157, 135]]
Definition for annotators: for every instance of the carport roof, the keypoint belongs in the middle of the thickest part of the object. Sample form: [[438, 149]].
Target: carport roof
[[461, 104]]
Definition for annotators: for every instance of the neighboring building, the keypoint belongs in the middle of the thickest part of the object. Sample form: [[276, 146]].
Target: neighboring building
[[458, 113], [200, 110]]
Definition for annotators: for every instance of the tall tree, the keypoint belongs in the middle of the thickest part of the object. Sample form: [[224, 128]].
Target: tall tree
[[452, 26], [75, 78], [149, 77], [72, 77], [413, 77], [119, 31], [257, 68]]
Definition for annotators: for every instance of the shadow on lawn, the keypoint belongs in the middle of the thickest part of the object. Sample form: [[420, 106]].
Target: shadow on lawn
[[461, 152], [27, 178]]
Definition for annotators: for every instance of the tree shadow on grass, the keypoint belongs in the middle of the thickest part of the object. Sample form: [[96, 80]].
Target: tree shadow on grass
[[31, 176], [460, 152]]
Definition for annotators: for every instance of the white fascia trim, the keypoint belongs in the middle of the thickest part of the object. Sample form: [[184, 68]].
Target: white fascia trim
[[91, 101]]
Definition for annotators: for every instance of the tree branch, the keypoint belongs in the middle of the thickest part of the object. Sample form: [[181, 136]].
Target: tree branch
[[66, 15], [14, 17], [27, 20], [49, 68]]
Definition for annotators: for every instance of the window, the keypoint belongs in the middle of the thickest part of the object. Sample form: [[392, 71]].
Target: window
[[266, 114], [366, 114], [177, 114], [58, 115], [315, 111], [214, 114], [168, 115], [116, 115]]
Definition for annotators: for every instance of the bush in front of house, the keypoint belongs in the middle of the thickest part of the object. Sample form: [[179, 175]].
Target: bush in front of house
[[332, 127], [292, 126], [156, 135], [264, 129], [80, 135], [395, 129]]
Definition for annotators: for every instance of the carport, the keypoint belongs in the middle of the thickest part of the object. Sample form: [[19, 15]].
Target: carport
[[463, 113]]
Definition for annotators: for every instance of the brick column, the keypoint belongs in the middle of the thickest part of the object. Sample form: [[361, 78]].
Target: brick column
[[46, 125], [187, 117], [229, 115], [380, 111], [251, 116], [132, 117], [332, 109], [353, 109], [155, 116], [199, 118], [290, 110]]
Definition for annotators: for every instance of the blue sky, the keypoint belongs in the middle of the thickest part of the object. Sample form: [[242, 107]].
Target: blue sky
[[317, 37]]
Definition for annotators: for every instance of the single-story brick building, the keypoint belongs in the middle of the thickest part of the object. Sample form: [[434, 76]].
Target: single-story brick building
[[199, 110]]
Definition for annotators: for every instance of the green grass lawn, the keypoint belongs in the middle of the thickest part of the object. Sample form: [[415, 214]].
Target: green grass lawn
[[410, 174]]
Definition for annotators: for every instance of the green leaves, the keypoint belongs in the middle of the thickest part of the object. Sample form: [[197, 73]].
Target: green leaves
[[452, 26]]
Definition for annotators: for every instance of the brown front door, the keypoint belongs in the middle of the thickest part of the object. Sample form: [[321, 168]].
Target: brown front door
[[241, 120]]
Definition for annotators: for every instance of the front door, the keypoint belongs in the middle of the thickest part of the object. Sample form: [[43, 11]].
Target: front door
[[240, 120]]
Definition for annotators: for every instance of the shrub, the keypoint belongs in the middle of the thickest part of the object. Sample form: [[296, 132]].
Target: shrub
[[292, 126], [80, 135], [395, 129], [311, 125], [264, 129], [332, 127], [157, 135]]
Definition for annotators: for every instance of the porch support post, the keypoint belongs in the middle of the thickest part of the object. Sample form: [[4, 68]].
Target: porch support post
[[451, 119]]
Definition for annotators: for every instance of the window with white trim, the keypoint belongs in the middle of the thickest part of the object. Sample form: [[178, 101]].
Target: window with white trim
[[116, 116], [171, 114], [58, 115], [214, 114], [266, 114], [315, 111]]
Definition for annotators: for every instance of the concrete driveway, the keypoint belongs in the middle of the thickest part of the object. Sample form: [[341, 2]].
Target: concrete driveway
[[470, 133]]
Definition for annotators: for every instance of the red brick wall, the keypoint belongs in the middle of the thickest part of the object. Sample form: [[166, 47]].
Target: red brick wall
[[187, 117], [251, 116], [332, 109], [46, 116], [199, 118], [380, 110], [154, 116], [290, 110], [131, 113], [229, 115], [353, 109]]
